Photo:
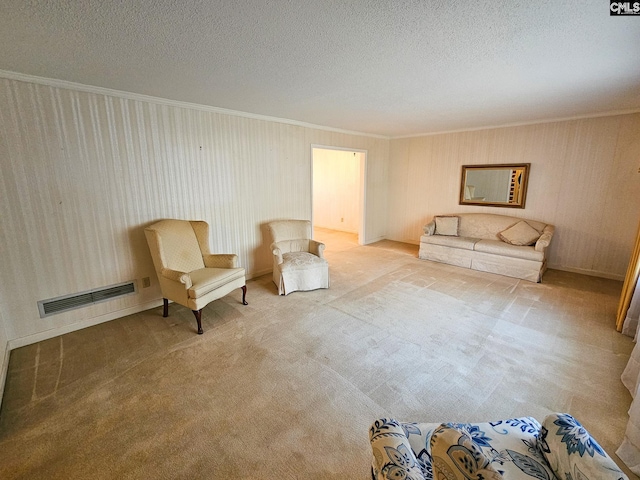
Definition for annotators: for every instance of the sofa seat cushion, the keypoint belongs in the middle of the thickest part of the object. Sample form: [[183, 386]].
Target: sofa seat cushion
[[301, 261], [205, 280], [464, 243], [498, 247]]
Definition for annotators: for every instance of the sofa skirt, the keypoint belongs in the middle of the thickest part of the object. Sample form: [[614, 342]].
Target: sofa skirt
[[530, 270]]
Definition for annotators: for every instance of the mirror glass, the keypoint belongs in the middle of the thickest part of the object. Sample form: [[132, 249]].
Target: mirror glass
[[503, 185]]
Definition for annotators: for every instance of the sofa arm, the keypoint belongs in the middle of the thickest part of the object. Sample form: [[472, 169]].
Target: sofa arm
[[392, 454], [545, 239], [316, 248], [221, 260], [177, 276], [572, 452], [430, 228]]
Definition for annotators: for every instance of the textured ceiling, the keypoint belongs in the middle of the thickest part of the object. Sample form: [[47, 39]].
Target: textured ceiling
[[384, 67]]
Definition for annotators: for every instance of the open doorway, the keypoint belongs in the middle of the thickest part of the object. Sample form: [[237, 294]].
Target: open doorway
[[338, 186]]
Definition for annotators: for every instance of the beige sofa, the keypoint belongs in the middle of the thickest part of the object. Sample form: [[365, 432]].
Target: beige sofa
[[500, 244]]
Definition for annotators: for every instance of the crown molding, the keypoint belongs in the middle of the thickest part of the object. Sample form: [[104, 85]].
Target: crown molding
[[611, 113], [52, 82]]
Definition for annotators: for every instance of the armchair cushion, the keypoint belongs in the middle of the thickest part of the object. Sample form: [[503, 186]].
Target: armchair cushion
[[206, 280], [301, 261]]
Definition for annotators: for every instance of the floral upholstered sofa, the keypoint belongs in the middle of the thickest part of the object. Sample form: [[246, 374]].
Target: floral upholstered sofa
[[489, 243], [517, 449]]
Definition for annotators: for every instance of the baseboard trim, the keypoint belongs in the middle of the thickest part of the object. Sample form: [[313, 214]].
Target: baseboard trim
[[89, 322], [259, 273], [591, 273], [335, 229], [369, 241]]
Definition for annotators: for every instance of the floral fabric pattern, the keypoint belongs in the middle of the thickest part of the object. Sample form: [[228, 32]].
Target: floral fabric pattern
[[517, 449], [573, 453], [393, 457], [576, 437], [455, 452]]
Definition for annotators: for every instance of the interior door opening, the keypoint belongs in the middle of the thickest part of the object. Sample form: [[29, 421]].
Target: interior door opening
[[338, 190]]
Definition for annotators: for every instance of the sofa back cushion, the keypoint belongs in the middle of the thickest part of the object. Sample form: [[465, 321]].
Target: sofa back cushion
[[510, 445], [456, 457], [488, 225]]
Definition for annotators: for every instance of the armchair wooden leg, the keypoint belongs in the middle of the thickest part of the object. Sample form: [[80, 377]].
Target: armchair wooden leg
[[198, 315], [244, 294], [165, 312]]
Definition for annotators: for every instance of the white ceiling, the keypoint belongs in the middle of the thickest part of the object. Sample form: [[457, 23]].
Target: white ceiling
[[391, 68]]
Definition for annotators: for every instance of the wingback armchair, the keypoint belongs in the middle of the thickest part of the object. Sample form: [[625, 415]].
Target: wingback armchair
[[298, 261], [189, 274], [516, 449]]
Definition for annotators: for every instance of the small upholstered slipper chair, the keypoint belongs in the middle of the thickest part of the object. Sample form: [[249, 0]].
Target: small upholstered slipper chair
[[189, 274], [298, 261]]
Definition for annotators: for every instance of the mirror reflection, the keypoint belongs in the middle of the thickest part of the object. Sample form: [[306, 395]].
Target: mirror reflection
[[503, 185]]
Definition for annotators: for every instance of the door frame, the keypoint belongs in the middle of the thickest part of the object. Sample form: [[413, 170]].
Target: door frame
[[362, 208]]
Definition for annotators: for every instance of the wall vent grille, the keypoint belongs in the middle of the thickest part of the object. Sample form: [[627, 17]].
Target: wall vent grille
[[56, 305]]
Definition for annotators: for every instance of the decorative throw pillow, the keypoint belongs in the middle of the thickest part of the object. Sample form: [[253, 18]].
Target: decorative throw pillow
[[572, 453], [447, 225], [520, 234]]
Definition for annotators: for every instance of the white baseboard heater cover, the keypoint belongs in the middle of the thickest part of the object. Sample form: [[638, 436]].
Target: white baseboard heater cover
[[64, 303]]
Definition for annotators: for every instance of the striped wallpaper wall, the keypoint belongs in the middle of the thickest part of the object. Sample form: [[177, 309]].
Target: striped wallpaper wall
[[584, 180], [83, 174]]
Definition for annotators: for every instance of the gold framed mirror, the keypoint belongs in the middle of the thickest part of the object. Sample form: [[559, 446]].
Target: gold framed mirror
[[500, 185]]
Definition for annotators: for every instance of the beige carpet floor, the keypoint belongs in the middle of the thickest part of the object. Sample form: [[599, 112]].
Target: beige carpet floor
[[287, 387]]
